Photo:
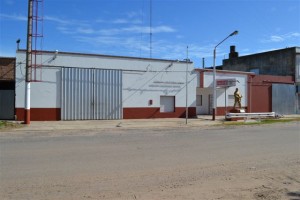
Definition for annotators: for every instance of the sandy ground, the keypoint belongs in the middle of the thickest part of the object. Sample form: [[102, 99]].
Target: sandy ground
[[257, 162]]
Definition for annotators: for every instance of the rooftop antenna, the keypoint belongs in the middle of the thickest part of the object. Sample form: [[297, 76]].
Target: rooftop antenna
[[150, 28], [18, 43]]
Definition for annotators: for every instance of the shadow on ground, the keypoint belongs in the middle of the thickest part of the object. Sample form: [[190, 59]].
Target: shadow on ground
[[294, 195]]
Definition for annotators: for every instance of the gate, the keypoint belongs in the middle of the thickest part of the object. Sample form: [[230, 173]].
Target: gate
[[91, 94], [7, 104], [283, 98], [7, 100]]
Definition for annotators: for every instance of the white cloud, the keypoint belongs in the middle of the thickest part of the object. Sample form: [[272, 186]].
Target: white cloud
[[125, 21], [134, 46], [146, 29], [120, 31], [295, 35], [276, 38], [281, 38], [85, 30], [120, 21], [134, 14], [58, 20], [13, 17], [64, 30], [10, 2], [179, 36]]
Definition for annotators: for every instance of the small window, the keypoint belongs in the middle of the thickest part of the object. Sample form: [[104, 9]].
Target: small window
[[199, 100], [167, 104]]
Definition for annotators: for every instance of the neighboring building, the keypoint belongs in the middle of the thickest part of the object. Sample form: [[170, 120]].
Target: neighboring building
[[227, 82], [282, 62], [7, 87], [76, 86], [261, 93], [273, 94]]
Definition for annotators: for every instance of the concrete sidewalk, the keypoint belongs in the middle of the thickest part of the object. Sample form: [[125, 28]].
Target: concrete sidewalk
[[201, 121], [125, 123]]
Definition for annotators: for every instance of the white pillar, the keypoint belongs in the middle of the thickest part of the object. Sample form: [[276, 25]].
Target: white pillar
[[27, 103]]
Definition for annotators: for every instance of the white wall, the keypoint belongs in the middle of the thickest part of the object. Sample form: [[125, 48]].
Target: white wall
[[143, 79], [204, 109], [140, 87], [45, 94], [241, 84], [207, 89]]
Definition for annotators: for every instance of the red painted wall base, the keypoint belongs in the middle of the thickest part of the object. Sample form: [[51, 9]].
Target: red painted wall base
[[53, 114], [39, 114], [148, 113]]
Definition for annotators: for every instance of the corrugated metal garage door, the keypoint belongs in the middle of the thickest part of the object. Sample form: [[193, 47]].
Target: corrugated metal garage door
[[90, 94], [283, 98]]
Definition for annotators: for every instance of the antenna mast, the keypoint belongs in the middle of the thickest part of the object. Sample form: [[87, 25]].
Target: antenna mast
[[150, 28]]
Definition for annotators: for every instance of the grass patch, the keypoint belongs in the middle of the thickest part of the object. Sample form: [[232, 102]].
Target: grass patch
[[2, 124], [263, 121], [7, 125]]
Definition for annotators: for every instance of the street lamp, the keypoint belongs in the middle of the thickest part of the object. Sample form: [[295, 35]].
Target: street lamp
[[214, 76]]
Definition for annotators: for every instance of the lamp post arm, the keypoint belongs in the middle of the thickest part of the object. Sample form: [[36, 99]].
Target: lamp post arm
[[214, 77], [231, 34], [222, 41]]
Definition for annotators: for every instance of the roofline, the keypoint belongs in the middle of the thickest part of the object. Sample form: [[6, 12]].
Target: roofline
[[297, 50], [7, 57], [111, 56], [225, 71]]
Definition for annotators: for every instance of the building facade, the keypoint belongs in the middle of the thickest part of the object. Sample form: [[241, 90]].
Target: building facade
[[281, 62], [227, 82], [260, 93], [75, 86]]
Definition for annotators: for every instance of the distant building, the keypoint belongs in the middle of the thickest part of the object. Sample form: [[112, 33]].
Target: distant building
[[7, 87], [282, 62]]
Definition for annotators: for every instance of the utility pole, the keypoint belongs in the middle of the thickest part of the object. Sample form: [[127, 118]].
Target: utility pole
[[186, 86]]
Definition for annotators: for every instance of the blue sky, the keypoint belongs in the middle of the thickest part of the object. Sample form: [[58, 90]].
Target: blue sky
[[121, 27]]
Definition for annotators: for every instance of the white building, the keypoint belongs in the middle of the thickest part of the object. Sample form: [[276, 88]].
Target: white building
[[226, 82], [75, 86]]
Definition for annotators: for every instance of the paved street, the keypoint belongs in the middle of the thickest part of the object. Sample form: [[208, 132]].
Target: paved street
[[247, 162]]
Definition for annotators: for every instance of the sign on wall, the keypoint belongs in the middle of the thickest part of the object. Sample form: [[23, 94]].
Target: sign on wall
[[226, 82]]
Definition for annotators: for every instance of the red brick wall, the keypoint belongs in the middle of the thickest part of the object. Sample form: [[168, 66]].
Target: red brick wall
[[261, 91]]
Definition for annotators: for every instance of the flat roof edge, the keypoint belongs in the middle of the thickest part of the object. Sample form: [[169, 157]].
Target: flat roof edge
[[111, 56], [225, 71]]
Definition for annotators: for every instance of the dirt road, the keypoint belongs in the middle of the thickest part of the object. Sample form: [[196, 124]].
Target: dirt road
[[258, 162]]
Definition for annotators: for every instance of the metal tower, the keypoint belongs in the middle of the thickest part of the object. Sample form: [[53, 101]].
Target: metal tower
[[34, 50]]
